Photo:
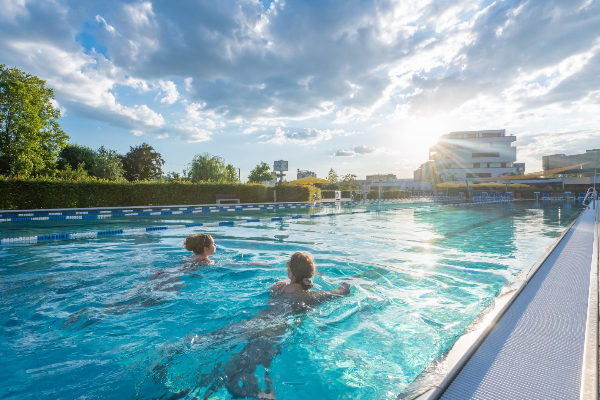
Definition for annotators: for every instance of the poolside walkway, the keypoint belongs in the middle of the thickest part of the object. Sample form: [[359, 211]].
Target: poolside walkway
[[537, 349]]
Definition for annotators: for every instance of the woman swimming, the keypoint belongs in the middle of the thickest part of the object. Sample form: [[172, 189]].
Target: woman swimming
[[261, 338], [301, 269], [202, 245]]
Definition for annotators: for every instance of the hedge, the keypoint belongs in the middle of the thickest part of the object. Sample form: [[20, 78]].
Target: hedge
[[19, 194]]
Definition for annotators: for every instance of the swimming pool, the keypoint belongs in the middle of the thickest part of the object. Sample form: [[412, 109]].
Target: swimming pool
[[121, 317]]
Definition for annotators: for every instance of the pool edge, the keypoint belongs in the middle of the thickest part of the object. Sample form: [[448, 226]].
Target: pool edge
[[467, 351]]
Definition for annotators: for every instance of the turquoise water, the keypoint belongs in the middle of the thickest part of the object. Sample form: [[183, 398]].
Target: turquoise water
[[124, 317]]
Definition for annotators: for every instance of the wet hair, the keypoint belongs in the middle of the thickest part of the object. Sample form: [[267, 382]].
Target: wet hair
[[303, 268], [198, 242]]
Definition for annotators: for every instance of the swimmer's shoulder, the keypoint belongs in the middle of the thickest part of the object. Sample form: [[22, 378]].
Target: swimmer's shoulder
[[277, 287]]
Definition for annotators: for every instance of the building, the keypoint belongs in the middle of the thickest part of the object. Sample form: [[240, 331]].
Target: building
[[303, 174], [471, 155], [420, 174], [562, 160]]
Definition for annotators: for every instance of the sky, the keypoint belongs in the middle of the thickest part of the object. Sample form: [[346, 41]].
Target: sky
[[360, 86]]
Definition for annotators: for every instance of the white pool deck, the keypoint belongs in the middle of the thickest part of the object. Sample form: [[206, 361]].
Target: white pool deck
[[543, 340]]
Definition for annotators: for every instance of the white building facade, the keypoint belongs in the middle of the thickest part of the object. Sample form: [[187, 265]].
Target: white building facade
[[475, 154]]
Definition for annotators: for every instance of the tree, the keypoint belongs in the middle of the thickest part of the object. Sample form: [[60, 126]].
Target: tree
[[142, 163], [74, 154], [206, 167], [332, 177], [70, 174], [232, 175], [108, 165], [450, 176], [30, 136], [348, 182], [434, 177], [261, 173]]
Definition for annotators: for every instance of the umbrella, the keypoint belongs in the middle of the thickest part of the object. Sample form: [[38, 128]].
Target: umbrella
[[492, 185], [309, 180], [447, 185], [471, 185]]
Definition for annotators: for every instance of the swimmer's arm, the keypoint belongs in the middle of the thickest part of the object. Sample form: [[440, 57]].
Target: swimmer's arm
[[343, 290]]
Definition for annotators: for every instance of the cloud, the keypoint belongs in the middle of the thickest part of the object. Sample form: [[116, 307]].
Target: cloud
[[357, 151], [169, 89], [305, 136], [250, 130], [327, 64]]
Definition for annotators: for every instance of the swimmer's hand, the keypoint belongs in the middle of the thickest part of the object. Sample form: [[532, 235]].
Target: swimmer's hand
[[344, 289]]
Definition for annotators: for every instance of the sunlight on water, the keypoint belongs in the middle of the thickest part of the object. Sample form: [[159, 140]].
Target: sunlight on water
[[124, 317]]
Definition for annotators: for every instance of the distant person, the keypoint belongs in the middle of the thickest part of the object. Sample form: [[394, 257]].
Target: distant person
[[202, 245]]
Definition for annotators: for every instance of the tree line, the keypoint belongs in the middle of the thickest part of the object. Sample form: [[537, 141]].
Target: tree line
[[33, 144]]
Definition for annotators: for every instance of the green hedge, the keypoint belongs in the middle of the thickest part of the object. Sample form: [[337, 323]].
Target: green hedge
[[17, 194], [287, 192]]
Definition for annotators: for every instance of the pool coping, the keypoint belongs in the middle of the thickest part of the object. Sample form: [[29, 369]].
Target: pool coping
[[464, 351], [589, 374]]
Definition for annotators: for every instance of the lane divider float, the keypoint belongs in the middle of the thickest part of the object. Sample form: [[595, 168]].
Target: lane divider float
[[137, 231]]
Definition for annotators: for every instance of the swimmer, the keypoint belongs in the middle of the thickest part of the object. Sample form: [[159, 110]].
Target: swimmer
[[300, 270], [261, 335], [202, 245], [287, 298]]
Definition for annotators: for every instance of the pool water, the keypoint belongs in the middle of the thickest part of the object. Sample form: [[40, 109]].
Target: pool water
[[124, 317]]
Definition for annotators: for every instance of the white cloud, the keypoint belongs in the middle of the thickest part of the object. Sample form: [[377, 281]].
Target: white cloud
[[305, 136], [250, 130], [358, 151], [169, 89], [103, 22], [140, 14], [188, 84]]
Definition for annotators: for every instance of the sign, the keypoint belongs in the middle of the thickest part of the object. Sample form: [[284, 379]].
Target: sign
[[338, 195], [280, 165]]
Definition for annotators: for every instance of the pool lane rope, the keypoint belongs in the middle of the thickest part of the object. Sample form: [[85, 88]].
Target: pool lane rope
[[124, 212], [137, 231]]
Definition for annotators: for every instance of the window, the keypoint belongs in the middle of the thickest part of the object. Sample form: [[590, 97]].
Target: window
[[481, 155], [491, 134], [476, 165], [503, 165], [471, 135], [479, 175]]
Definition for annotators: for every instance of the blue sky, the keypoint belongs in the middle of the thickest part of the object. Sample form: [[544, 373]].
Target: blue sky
[[359, 86]]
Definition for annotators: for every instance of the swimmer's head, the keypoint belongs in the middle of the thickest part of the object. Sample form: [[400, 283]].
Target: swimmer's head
[[302, 268], [198, 242]]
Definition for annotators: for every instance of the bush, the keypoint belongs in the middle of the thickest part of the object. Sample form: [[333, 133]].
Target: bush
[[287, 192], [53, 193]]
